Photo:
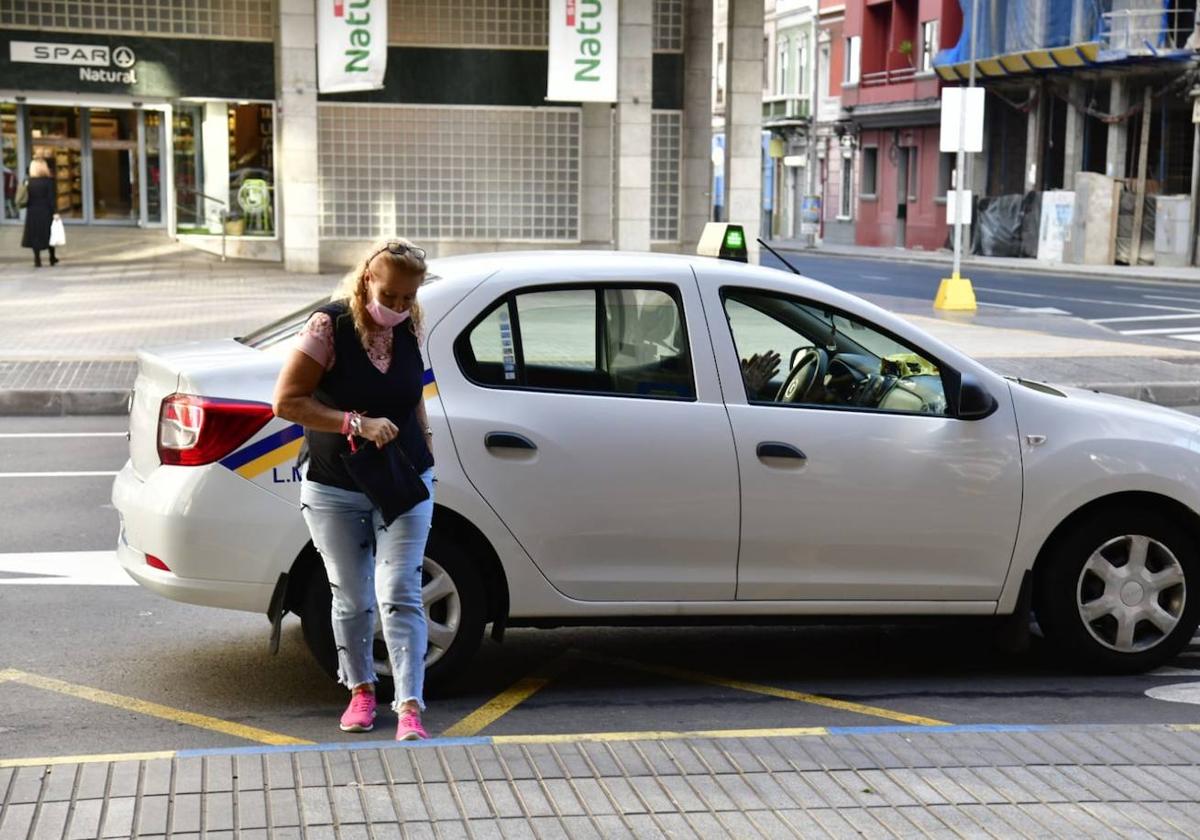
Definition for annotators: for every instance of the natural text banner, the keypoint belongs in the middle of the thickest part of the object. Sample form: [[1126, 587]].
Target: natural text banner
[[351, 45], [583, 51]]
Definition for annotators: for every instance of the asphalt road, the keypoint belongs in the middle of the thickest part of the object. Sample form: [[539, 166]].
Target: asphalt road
[[1165, 312], [139, 647]]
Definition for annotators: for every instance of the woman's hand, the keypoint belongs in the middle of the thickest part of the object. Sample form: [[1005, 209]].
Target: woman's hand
[[379, 430]]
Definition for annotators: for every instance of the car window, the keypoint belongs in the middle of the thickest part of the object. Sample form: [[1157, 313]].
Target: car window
[[599, 340], [822, 357]]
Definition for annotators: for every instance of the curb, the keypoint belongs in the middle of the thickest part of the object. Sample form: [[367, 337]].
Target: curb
[[48, 403], [1166, 394], [929, 258]]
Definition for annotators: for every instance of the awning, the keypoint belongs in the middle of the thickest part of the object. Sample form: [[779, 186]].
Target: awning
[[1028, 61]]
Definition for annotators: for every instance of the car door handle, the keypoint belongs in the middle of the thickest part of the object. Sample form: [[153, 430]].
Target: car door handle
[[773, 449], [507, 440]]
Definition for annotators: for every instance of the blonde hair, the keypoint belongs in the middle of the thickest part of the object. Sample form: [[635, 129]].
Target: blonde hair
[[38, 168], [353, 289]]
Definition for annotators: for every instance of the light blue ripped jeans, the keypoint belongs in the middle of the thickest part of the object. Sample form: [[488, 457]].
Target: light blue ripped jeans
[[369, 564]]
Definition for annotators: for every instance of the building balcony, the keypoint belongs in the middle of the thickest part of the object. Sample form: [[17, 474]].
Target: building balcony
[[888, 77], [786, 109]]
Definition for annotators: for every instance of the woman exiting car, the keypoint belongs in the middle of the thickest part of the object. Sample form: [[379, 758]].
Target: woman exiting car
[[354, 383]]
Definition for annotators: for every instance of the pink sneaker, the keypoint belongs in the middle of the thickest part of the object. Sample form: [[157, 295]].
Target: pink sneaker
[[409, 728], [360, 714]]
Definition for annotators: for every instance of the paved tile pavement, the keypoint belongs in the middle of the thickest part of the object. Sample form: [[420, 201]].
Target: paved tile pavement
[[1134, 781]]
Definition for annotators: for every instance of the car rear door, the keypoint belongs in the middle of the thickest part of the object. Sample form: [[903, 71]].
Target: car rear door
[[585, 408], [861, 502]]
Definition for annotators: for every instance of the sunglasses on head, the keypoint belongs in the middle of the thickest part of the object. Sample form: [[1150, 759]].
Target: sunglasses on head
[[399, 249]]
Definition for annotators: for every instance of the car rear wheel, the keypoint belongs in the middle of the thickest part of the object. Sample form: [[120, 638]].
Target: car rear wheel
[[454, 598], [1121, 592]]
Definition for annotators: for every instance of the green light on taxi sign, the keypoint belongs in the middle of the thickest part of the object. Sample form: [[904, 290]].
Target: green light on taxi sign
[[734, 239]]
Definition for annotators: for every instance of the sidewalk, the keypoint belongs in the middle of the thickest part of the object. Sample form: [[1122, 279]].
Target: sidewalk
[[1096, 782], [69, 335], [1118, 272]]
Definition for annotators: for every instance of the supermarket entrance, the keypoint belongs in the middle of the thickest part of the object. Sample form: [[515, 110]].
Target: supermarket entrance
[[106, 162]]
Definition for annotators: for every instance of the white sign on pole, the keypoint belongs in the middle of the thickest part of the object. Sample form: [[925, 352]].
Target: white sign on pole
[[952, 104], [351, 45], [583, 51], [952, 202]]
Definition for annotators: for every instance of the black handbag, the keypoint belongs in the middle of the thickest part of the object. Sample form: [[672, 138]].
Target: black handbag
[[387, 477]]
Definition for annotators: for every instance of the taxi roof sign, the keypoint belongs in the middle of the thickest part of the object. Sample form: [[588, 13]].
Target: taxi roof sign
[[724, 241]]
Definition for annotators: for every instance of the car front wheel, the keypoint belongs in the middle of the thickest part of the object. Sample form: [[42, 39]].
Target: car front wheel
[[1120, 592], [453, 595]]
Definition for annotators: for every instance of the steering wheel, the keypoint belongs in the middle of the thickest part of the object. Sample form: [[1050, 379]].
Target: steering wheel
[[809, 369]]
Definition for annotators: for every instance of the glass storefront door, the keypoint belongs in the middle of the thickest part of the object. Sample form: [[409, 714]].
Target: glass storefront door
[[115, 164], [56, 135], [107, 163]]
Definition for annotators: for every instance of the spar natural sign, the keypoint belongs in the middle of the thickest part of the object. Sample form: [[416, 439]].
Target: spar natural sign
[[351, 45], [583, 51]]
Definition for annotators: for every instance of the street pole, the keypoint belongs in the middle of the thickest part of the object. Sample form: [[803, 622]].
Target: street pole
[[956, 292]]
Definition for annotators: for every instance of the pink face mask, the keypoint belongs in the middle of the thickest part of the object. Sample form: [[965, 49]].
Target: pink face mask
[[385, 317]]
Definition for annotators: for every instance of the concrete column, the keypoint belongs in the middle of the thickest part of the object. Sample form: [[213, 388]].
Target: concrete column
[[1076, 125], [743, 118], [299, 208], [697, 123], [634, 100], [596, 175], [1033, 144], [1118, 132]]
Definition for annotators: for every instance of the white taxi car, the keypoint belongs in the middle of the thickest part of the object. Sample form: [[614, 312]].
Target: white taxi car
[[603, 456]]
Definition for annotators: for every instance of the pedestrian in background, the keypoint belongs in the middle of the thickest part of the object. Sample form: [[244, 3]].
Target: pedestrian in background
[[41, 203], [356, 375]]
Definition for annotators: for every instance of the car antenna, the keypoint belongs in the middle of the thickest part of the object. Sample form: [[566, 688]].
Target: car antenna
[[778, 256]]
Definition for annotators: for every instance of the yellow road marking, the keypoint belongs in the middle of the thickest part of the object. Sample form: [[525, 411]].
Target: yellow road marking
[[509, 699], [144, 707], [566, 738], [770, 691], [83, 759]]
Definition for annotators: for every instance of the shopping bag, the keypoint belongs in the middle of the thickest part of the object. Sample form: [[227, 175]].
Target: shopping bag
[[58, 234]]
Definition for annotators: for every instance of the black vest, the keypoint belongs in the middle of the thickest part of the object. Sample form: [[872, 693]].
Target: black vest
[[354, 384]]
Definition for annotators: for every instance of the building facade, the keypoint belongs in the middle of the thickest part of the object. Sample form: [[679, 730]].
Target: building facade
[[890, 96], [205, 118], [1074, 87]]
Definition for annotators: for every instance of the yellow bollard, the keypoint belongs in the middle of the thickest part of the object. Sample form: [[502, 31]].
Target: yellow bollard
[[955, 294]]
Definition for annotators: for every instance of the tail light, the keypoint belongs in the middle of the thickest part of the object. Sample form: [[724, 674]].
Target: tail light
[[154, 563], [196, 430]]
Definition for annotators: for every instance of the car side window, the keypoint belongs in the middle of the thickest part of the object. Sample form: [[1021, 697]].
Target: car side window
[[826, 358], [615, 340]]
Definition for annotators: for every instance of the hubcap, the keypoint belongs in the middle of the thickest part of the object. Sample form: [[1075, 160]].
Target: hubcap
[[1131, 593], [443, 614]]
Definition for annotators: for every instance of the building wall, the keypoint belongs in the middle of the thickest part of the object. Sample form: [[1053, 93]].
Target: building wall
[[877, 220]]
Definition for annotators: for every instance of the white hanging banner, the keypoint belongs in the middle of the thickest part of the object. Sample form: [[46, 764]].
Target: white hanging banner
[[351, 45], [583, 51]]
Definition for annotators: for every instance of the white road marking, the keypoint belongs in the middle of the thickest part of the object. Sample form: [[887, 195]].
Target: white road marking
[[63, 568], [1178, 693], [75, 474], [1187, 337], [1171, 331], [61, 434], [1102, 302], [874, 277], [1169, 297], [1031, 310], [1126, 318]]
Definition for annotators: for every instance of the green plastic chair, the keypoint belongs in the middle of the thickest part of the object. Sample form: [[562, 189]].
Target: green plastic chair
[[254, 197]]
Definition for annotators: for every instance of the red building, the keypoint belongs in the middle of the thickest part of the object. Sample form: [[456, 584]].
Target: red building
[[891, 96]]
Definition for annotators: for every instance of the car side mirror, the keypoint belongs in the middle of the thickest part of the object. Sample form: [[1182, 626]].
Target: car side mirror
[[974, 401]]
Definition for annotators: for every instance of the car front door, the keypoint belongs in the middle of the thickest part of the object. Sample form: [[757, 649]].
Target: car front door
[[589, 416], [857, 483]]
